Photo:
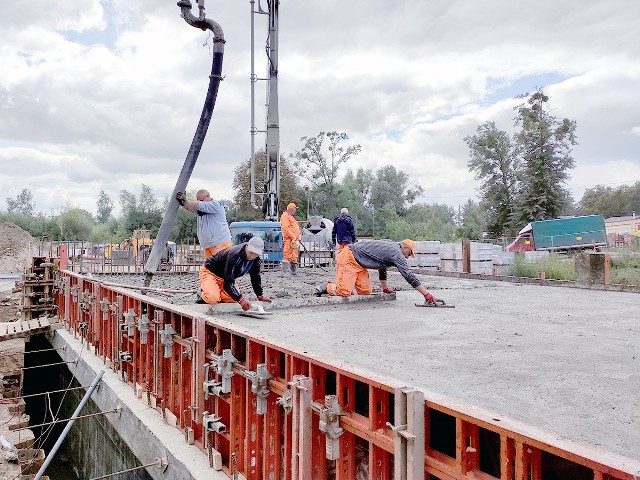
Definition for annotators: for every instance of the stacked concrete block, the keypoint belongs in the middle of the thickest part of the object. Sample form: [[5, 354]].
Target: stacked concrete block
[[501, 259], [427, 255], [451, 257], [535, 255], [481, 258]]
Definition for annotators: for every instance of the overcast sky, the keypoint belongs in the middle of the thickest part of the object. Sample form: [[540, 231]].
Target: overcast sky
[[106, 95]]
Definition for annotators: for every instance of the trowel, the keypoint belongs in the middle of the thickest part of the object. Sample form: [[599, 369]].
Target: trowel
[[256, 311], [437, 304]]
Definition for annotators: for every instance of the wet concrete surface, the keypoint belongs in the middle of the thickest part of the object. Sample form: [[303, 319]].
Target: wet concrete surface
[[566, 360]]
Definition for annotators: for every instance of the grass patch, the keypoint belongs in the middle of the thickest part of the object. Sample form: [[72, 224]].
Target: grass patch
[[625, 269], [554, 266]]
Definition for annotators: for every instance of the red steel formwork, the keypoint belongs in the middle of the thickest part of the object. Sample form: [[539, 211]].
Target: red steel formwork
[[268, 412]]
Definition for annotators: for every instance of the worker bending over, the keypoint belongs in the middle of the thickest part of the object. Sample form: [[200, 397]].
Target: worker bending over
[[219, 272], [290, 239], [354, 260]]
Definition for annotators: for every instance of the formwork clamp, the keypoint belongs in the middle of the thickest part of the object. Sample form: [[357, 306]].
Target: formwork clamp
[[143, 328], [60, 284], [125, 357], [224, 368], [329, 424], [166, 338], [74, 293], [86, 300], [260, 386], [129, 322], [286, 401], [104, 308], [212, 423]]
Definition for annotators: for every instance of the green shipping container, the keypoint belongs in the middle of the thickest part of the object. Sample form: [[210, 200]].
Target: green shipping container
[[568, 233]]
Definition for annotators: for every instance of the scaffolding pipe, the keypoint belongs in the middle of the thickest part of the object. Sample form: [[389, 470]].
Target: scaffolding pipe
[[217, 53], [64, 433]]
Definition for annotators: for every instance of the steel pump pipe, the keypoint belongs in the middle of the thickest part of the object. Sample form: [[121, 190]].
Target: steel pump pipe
[[202, 23]]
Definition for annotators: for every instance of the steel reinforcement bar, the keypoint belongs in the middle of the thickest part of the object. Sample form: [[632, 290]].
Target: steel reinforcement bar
[[269, 411]]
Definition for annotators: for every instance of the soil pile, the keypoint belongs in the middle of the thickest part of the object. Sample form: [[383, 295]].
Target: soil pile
[[14, 248]]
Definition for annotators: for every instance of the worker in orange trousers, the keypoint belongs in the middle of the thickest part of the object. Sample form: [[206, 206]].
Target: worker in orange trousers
[[290, 239]]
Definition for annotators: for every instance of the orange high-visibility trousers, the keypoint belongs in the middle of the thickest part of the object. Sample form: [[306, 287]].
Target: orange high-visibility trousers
[[216, 248], [213, 288], [290, 252], [341, 246], [349, 275]]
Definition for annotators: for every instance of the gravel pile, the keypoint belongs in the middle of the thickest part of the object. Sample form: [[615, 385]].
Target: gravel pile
[[14, 248]]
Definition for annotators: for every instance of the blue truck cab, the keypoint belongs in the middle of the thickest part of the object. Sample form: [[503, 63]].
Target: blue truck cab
[[269, 232]]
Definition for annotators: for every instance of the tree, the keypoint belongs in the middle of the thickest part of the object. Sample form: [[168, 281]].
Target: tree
[[474, 221], [493, 162], [142, 211], [391, 187], [75, 224], [544, 144], [104, 206], [320, 164], [290, 190], [21, 203], [610, 202]]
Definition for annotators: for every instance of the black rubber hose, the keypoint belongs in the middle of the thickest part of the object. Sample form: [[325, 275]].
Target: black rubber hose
[[160, 242]]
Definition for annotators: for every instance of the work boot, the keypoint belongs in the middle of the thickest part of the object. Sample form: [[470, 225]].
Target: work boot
[[294, 268], [199, 298], [320, 290], [285, 266]]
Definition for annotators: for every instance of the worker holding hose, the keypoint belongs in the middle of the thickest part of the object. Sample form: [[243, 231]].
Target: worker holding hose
[[290, 239]]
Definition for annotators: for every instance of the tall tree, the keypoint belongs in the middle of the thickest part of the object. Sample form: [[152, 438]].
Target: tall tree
[[493, 163], [391, 187], [21, 203], [609, 201], [142, 211], [104, 206], [545, 144], [290, 190], [320, 164]]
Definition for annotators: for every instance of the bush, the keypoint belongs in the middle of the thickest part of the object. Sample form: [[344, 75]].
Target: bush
[[554, 266]]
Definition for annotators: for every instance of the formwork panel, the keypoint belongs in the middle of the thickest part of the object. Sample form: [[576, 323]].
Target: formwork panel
[[458, 445]]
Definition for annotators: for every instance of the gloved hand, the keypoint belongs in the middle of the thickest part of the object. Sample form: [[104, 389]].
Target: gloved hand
[[387, 290], [296, 243], [181, 197], [244, 303], [264, 298], [429, 298]]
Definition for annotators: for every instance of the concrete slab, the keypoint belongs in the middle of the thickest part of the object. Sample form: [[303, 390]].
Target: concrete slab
[[561, 359]]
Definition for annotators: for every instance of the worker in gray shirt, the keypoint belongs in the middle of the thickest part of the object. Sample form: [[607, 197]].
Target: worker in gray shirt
[[354, 260], [213, 230]]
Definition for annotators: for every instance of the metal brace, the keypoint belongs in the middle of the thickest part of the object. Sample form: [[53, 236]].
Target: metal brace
[[212, 423], [59, 285], [129, 322], [143, 328], [224, 368], [329, 423], [259, 386], [166, 338]]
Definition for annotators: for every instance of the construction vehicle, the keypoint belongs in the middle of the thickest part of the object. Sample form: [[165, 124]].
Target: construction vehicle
[[562, 235]]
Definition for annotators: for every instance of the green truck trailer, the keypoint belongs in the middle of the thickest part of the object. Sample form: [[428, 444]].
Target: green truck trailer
[[562, 234]]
